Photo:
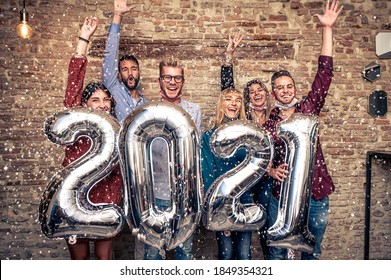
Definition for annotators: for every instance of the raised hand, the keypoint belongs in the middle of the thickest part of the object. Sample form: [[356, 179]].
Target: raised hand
[[233, 42], [330, 14], [89, 27], [121, 7]]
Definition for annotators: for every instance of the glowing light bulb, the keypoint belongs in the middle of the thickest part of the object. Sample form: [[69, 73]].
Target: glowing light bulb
[[24, 30]]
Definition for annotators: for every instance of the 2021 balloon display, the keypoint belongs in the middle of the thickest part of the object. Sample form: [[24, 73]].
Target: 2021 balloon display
[[65, 210], [223, 209], [179, 141], [290, 230]]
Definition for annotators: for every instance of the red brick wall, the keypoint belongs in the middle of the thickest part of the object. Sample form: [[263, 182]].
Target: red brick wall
[[278, 34]]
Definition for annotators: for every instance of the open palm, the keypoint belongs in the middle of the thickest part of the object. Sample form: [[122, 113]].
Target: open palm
[[121, 7], [330, 14]]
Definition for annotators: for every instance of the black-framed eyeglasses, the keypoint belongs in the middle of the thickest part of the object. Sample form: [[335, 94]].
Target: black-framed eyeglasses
[[168, 78]]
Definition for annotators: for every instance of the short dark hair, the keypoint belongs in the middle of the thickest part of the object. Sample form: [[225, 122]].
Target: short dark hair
[[279, 74], [127, 57], [90, 90]]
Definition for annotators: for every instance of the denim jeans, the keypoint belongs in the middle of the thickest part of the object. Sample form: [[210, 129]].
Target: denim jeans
[[317, 223], [262, 192], [235, 245], [183, 251]]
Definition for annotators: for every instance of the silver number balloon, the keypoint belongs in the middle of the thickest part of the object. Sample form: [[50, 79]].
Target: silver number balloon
[[223, 209], [163, 229], [65, 210], [290, 230]]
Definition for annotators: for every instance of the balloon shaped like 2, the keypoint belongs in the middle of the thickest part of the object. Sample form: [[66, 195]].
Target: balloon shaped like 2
[[170, 124], [222, 207], [65, 210], [291, 230]]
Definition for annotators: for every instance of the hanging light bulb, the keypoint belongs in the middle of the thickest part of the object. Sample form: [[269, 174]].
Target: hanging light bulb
[[24, 30]]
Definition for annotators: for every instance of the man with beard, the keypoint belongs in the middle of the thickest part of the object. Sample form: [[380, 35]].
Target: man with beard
[[121, 78]]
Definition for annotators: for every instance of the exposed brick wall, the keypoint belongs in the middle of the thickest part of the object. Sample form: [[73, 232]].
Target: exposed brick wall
[[278, 34]]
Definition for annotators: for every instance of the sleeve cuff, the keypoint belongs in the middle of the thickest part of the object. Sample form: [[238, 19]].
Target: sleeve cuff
[[325, 62], [114, 27]]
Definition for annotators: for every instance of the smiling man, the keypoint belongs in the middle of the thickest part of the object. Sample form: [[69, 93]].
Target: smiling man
[[284, 90], [171, 80]]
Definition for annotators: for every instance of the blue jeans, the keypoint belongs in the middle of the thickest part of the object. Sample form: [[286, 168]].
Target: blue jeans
[[317, 223], [235, 245], [262, 192], [183, 251]]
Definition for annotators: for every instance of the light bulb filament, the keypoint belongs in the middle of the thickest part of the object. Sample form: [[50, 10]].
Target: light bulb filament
[[24, 30]]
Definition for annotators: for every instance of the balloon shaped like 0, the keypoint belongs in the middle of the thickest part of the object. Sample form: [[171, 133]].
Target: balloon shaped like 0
[[64, 209], [163, 229], [291, 230], [222, 207]]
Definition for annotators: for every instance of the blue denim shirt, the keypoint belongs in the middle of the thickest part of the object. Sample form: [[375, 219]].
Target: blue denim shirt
[[125, 102]]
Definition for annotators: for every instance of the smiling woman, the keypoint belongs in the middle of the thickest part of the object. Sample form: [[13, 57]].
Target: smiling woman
[[95, 95], [232, 102], [230, 107]]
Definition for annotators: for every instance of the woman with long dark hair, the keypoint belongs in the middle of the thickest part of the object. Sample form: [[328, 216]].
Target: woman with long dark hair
[[94, 95]]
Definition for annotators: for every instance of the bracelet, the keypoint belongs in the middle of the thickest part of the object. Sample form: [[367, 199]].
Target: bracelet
[[84, 40], [118, 14], [228, 60]]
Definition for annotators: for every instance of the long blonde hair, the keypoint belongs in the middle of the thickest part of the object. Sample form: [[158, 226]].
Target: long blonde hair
[[219, 112]]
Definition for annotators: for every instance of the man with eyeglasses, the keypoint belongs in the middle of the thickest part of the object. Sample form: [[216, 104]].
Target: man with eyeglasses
[[121, 77], [284, 90], [171, 80]]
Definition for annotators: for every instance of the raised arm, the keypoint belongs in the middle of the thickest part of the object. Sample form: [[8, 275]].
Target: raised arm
[[110, 59], [87, 30], [120, 8], [78, 65], [329, 17], [227, 77]]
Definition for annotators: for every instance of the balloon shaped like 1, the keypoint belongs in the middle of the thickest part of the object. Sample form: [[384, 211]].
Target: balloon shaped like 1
[[222, 207], [170, 124], [64, 209], [290, 230]]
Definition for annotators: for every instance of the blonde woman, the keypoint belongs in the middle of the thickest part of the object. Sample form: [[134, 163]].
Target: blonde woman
[[258, 103], [230, 107]]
